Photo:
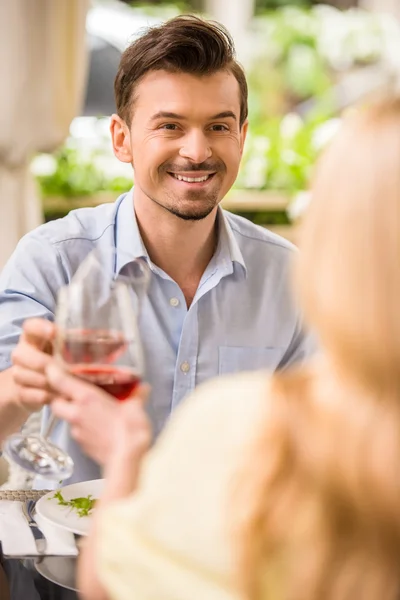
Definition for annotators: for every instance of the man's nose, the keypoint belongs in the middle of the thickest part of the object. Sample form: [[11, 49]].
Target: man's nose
[[195, 147]]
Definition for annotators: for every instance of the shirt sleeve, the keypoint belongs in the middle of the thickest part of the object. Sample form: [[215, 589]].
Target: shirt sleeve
[[171, 538], [28, 288]]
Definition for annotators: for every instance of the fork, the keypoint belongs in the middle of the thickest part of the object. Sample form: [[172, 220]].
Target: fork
[[28, 508]]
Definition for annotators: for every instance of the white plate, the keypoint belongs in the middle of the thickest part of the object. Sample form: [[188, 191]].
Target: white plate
[[59, 569], [64, 516]]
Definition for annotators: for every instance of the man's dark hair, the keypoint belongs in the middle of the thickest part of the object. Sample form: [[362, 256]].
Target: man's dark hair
[[185, 44]]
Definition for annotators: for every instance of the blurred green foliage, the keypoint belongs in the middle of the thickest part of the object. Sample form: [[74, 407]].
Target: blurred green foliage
[[163, 9], [278, 160], [75, 176], [264, 5], [298, 56], [154, 6]]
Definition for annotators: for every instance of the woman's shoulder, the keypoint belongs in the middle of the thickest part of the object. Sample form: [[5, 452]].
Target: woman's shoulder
[[235, 402], [230, 395], [218, 413]]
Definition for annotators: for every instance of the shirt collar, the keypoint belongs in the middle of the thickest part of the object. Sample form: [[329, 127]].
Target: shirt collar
[[129, 243], [228, 250]]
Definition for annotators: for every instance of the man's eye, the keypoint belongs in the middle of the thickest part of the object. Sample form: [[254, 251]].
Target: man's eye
[[169, 127], [219, 128]]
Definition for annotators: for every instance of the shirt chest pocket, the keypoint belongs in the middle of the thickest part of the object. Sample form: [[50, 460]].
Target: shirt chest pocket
[[233, 359]]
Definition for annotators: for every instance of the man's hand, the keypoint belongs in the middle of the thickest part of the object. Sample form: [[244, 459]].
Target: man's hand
[[105, 429], [30, 359]]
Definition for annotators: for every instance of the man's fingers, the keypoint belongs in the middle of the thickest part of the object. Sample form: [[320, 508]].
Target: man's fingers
[[29, 357], [29, 362], [34, 399], [39, 333], [29, 378]]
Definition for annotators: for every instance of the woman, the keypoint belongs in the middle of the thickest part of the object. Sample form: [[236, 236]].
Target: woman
[[275, 487]]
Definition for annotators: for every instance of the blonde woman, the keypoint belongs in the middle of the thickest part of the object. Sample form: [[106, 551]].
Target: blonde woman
[[274, 487]]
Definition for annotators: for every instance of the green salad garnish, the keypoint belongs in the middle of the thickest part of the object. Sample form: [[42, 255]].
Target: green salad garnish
[[83, 506]]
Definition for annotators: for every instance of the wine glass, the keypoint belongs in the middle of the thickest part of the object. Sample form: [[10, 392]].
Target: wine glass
[[97, 339]]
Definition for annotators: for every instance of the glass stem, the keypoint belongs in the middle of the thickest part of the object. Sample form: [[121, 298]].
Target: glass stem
[[53, 420]]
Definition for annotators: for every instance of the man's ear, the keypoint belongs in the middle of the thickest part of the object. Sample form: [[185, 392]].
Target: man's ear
[[243, 135], [121, 139]]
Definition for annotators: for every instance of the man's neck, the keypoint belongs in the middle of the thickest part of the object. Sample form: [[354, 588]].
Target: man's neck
[[181, 248]]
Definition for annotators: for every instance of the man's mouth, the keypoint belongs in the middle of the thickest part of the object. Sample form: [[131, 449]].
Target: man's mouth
[[186, 179]]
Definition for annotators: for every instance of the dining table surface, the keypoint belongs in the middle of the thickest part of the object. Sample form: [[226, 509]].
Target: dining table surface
[[33, 579]]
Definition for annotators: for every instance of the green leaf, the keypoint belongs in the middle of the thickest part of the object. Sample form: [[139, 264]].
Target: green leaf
[[83, 506]]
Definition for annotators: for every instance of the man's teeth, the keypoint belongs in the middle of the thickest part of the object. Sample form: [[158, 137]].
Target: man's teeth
[[191, 179]]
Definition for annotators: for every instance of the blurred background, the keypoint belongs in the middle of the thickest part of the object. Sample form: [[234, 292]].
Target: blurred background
[[306, 64]]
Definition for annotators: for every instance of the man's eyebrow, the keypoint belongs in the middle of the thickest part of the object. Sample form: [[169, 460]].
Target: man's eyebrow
[[166, 115], [226, 114]]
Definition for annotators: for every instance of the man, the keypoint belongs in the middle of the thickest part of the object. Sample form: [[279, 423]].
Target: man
[[219, 299]]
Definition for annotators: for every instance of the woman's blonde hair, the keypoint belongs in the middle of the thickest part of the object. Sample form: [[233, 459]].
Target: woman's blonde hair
[[318, 511], [348, 274]]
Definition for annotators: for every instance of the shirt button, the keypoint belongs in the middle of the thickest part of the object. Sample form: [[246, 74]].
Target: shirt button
[[174, 302], [185, 367]]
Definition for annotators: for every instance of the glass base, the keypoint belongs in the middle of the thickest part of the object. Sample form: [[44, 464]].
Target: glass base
[[39, 456]]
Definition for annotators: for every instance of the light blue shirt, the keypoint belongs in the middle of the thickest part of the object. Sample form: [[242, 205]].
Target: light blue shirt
[[242, 317]]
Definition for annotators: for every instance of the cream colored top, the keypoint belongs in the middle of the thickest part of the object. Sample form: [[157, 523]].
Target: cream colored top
[[170, 540]]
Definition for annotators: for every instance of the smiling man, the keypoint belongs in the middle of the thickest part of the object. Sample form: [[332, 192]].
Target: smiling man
[[188, 153], [219, 299], [184, 135]]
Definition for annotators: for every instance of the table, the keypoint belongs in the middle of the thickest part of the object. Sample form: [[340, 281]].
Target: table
[[19, 579]]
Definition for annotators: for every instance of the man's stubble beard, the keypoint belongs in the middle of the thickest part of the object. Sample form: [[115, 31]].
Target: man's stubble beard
[[189, 215]]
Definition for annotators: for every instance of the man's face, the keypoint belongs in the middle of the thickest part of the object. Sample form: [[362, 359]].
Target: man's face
[[186, 141]]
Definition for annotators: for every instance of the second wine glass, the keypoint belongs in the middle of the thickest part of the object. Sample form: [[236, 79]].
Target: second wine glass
[[97, 333]]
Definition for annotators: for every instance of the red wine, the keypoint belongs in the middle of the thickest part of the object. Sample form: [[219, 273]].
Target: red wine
[[117, 381], [91, 346]]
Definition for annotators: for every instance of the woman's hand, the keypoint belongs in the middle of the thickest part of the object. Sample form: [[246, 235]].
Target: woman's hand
[[108, 431]]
